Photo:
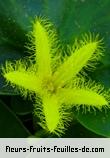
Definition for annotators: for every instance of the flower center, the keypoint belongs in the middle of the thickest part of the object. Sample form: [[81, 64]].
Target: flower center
[[49, 85]]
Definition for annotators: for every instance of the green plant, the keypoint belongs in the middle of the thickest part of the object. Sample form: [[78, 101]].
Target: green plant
[[59, 83], [71, 18]]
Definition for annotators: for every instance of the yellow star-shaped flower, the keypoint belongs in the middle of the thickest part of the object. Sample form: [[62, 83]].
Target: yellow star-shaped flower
[[58, 83]]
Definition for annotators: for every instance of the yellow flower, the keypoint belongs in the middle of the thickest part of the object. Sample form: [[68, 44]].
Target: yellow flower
[[58, 84]]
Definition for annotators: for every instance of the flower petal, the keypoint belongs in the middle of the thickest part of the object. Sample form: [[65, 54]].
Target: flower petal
[[87, 97], [19, 77], [45, 38], [50, 114], [89, 51]]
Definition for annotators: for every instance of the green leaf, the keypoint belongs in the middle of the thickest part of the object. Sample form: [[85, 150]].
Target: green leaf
[[21, 106], [10, 125], [82, 16], [97, 122], [76, 130]]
